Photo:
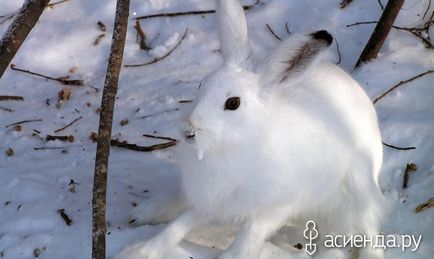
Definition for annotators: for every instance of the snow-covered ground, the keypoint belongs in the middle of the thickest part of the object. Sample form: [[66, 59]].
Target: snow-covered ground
[[35, 184]]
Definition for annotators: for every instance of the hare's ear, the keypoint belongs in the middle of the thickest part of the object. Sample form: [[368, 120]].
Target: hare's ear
[[233, 31], [294, 58]]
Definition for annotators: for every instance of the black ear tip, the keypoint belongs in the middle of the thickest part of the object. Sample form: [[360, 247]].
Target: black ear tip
[[323, 35]]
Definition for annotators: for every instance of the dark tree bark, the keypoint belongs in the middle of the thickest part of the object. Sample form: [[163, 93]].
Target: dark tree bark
[[381, 31], [17, 32], [99, 227]]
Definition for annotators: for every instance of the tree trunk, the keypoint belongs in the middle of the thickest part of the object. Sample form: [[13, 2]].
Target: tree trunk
[[17, 32], [99, 228], [381, 31]]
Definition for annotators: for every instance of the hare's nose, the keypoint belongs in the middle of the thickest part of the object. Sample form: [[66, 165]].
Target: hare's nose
[[189, 134]]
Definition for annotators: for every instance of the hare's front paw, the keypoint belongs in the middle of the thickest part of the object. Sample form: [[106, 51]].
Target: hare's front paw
[[148, 212], [141, 251]]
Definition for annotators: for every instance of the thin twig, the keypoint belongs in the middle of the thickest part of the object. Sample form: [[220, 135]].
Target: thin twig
[[381, 5], [159, 137], [415, 31], [141, 36], [273, 33], [11, 98], [339, 52], [410, 167], [427, 9], [203, 12], [7, 17], [185, 101], [6, 109], [64, 80], [57, 3], [22, 122], [127, 145], [155, 60], [402, 83], [68, 125], [47, 148], [398, 148], [425, 205], [158, 113], [287, 29], [359, 23]]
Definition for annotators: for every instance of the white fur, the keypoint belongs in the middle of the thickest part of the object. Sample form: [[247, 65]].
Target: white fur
[[306, 147]]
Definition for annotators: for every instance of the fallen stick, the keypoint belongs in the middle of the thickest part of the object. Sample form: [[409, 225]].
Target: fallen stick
[[11, 98], [393, 88], [48, 148], [425, 205], [69, 138], [155, 60], [68, 125], [398, 148], [159, 137], [64, 80], [410, 167], [22, 122], [127, 145], [65, 217], [203, 12], [185, 101]]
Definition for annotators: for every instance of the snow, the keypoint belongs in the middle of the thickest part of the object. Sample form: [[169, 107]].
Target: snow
[[35, 184]]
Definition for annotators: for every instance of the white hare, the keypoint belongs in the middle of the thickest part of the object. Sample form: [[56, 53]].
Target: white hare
[[289, 140]]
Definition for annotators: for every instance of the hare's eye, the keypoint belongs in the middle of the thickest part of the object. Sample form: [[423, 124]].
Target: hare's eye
[[232, 103]]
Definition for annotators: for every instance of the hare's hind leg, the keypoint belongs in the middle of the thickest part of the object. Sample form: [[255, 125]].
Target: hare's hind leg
[[250, 239], [165, 241]]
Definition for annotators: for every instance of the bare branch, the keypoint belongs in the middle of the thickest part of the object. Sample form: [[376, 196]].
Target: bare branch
[[63, 80], [393, 88], [22, 122], [68, 125], [398, 148], [155, 60], [11, 98]]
